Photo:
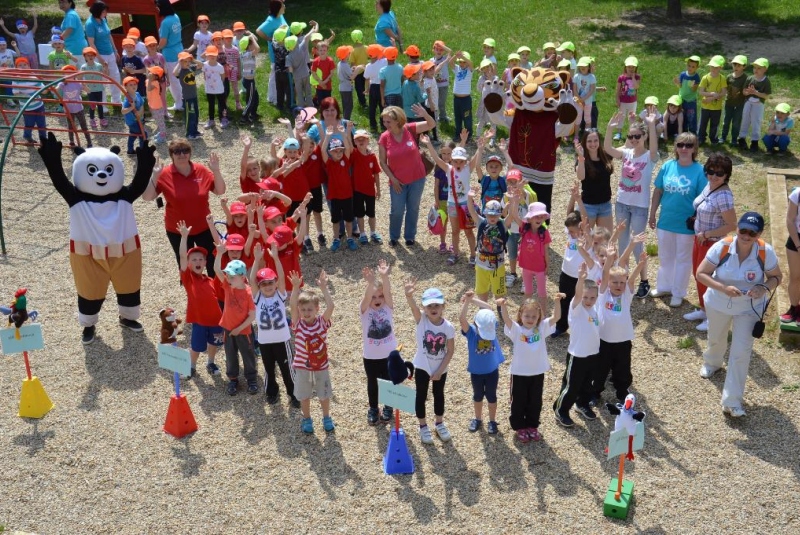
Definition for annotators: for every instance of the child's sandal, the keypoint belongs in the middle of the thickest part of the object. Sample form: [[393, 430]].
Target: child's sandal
[[452, 259]]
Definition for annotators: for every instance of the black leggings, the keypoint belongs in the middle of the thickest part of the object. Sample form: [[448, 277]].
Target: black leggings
[[277, 353], [375, 106], [223, 105], [375, 369], [422, 379], [614, 357], [202, 239], [566, 285]]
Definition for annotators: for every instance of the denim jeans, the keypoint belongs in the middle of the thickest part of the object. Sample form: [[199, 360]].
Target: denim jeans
[[690, 116], [191, 113], [34, 119], [407, 201], [635, 218], [134, 129]]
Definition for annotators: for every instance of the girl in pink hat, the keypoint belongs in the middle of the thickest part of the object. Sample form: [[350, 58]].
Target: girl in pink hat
[[534, 250]]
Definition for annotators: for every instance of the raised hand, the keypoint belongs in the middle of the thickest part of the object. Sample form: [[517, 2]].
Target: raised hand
[[246, 141], [383, 267], [296, 279], [559, 296], [583, 272], [368, 275], [410, 286], [425, 139], [322, 281], [258, 252], [578, 148], [213, 162], [183, 230]]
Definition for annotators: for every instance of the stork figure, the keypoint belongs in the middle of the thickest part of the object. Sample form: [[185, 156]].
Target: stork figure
[[626, 419]]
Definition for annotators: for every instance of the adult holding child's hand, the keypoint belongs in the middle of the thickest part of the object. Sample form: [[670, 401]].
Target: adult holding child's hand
[[185, 186]]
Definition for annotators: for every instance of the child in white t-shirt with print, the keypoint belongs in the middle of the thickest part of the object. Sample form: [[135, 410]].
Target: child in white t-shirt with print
[[529, 363], [570, 263], [584, 345], [377, 335], [435, 345], [214, 74]]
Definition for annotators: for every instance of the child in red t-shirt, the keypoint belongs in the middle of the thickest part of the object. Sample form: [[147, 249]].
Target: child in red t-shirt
[[310, 363], [290, 173], [250, 169], [314, 169], [235, 217], [366, 185], [340, 184], [322, 69], [202, 309], [288, 247], [236, 321]]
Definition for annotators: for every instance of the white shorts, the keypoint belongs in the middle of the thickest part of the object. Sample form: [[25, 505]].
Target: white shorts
[[307, 383]]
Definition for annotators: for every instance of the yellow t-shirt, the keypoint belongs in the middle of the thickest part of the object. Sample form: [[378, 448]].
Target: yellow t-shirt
[[713, 85], [359, 55]]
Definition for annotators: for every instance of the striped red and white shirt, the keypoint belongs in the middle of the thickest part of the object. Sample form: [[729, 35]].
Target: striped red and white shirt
[[311, 344]]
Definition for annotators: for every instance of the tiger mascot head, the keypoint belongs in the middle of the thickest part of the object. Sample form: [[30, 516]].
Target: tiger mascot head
[[536, 89]]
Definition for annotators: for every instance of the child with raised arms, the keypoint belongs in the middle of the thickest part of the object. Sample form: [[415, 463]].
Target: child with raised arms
[[485, 357], [435, 345], [310, 364], [366, 186], [377, 335], [529, 363]]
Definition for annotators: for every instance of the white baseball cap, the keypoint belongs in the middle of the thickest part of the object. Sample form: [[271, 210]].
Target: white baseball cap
[[486, 322]]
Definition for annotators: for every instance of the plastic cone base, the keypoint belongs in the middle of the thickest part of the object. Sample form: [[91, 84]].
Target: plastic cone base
[[180, 420], [33, 400], [397, 459]]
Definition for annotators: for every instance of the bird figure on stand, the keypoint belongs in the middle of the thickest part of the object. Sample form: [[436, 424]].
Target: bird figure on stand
[[626, 418]]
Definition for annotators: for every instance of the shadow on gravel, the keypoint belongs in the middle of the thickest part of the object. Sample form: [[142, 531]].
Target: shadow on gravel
[[326, 460], [35, 441], [448, 463], [505, 465], [189, 462], [770, 436]]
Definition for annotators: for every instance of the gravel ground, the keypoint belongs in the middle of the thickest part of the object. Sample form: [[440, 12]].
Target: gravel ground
[[100, 463]]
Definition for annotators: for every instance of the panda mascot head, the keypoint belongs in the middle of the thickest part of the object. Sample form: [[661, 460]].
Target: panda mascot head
[[98, 171]]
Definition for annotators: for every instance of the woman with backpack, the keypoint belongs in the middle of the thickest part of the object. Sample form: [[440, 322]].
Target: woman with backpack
[[740, 272]]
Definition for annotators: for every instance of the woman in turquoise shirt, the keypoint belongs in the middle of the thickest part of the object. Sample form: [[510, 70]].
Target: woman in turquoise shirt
[[387, 28], [170, 45], [72, 29]]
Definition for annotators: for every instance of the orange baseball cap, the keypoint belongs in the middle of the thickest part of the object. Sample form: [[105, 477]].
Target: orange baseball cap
[[390, 53], [135, 32], [239, 25], [20, 61], [69, 68], [411, 69], [428, 65], [216, 35], [185, 55], [412, 50], [438, 44], [343, 51], [375, 51], [128, 42], [211, 50], [203, 18], [89, 50], [150, 40], [158, 71], [130, 80], [227, 33]]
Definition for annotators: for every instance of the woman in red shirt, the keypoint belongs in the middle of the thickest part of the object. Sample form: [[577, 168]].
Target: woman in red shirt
[[401, 161], [185, 186]]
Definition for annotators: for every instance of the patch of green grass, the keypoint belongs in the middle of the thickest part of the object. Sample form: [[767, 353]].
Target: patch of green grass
[[791, 388], [686, 342]]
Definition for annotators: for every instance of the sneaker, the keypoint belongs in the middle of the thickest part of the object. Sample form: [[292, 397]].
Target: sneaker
[[791, 315], [376, 238], [175, 108], [93, 123], [563, 420], [393, 243], [294, 403], [586, 411], [322, 240], [372, 416], [103, 122], [656, 293], [595, 401], [511, 278], [272, 400], [410, 243], [88, 335], [707, 371], [386, 415], [233, 387], [425, 434], [703, 327], [522, 436], [735, 412], [471, 260], [363, 239], [474, 425], [443, 432], [492, 428], [327, 424], [557, 332], [308, 244], [224, 122], [252, 387], [695, 315], [534, 434], [351, 244], [133, 325], [443, 248], [336, 244], [644, 289], [212, 368], [307, 426], [675, 301], [208, 124], [452, 259], [754, 146]]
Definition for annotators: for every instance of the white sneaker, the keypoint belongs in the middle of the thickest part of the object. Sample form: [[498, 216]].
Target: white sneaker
[[656, 293], [707, 371], [735, 412], [443, 432], [675, 301], [511, 278], [425, 435], [703, 327], [695, 315]]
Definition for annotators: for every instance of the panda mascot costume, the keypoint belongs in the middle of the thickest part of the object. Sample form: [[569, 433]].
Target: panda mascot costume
[[104, 240]]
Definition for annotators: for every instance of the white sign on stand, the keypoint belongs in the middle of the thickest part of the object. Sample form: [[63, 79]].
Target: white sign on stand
[[618, 441]]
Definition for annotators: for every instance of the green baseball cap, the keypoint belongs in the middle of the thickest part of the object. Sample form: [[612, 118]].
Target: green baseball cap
[[489, 42], [548, 44], [316, 36], [631, 61], [357, 36], [693, 58], [651, 100], [585, 61], [783, 108], [244, 42], [485, 62], [466, 56], [740, 59], [675, 100], [716, 61], [566, 45], [564, 63], [297, 27], [523, 48], [513, 56], [290, 42], [762, 62], [280, 34]]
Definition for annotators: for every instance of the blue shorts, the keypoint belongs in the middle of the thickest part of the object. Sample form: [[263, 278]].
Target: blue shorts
[[202, 337], [485, 385], [513, 245], [598, 210]]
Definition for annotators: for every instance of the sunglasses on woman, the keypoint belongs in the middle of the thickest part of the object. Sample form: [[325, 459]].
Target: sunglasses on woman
[[635, 136], [748, 232], [711, 172], [684, 145], [181, 151]]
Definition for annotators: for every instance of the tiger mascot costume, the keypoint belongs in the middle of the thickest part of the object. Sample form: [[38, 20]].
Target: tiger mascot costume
[[538, 109]]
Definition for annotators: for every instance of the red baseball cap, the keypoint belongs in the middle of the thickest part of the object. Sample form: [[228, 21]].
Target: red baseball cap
[[234, 242], [238, 207], [270, 183], [272, 212], [514, 174], [196, 249], [282, 235], [266, 274]]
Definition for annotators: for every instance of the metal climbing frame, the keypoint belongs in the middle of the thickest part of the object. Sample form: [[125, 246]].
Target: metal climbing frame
[[45, 83]]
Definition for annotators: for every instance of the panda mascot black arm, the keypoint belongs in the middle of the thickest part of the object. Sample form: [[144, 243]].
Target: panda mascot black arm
[[50, 151], [145, 161]]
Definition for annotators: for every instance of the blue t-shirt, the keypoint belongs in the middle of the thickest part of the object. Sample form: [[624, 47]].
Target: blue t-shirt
[[485, 356], [101, 34], [268, 28], [444, 185], [171, 30], [687, 82], [130, 117], [76, 41], [393, 76], [385, 21], [680, 184], [493, 191], [412, 94]]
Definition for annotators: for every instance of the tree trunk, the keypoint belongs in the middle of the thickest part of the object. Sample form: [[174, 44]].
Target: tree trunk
[[674, 9]]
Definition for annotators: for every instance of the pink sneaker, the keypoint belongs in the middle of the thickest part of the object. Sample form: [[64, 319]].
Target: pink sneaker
[[534, 434], [522, 436], [443, 248], [103, 122]]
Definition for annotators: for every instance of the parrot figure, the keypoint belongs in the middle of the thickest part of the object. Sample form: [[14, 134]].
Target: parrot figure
[[19, 310], [626, 418]]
